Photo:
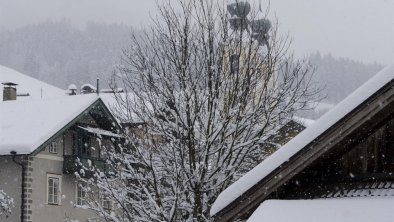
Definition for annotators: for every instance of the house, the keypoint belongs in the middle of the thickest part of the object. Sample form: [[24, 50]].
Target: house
[[43, 142], [338, 169], [28, 88], [285, 132], [291, 128]]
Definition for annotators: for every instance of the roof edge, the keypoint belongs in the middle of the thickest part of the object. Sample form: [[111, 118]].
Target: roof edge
[[64, 128]]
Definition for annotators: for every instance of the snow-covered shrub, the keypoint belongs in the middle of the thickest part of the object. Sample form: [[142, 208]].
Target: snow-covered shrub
[[6, 204]]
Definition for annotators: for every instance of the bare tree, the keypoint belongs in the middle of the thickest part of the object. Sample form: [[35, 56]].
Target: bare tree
[[206, 96]]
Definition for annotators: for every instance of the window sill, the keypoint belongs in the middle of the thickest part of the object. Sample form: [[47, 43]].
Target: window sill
[[53, 204]]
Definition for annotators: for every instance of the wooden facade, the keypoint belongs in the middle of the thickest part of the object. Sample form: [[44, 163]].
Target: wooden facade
[[360, 170]]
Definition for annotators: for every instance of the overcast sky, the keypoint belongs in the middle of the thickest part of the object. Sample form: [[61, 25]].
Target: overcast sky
[[359, 29]]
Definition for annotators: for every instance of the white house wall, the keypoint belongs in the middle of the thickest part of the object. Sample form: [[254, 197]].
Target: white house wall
[[41, 210]]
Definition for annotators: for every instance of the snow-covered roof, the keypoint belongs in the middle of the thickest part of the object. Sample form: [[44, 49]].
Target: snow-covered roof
[[303, 139], [303, 121], [326, 210], [26, 84], [72, 87], [88, 86], [25, 125], [118, 106], [322, 107]]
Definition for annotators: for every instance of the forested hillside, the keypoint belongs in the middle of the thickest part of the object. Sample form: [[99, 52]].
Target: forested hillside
[[61, 54], [341, 76]]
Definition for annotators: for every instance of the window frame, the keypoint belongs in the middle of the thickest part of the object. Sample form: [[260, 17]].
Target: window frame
[[81, 144], [59, 188], [234, 63], [105, 202], [53, 147], [80, 200]]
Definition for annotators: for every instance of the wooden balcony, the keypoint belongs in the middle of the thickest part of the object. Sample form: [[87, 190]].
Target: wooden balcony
[[87, 165]]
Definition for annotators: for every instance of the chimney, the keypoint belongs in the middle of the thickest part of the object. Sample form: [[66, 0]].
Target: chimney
[[9, 91], [72, 90]]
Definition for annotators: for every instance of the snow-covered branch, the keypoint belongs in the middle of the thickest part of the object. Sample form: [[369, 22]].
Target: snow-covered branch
[[6, 204]]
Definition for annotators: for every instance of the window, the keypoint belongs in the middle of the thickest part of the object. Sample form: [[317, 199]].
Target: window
[[81, 145], [234, 63], [53, 147], [85, 146], [81, 193], [107, 204], [105, 201], [53, 189], [75, 143]]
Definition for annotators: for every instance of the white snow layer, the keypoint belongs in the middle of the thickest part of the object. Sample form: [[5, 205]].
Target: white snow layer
[[323, 107], [305, 137], [27, 84], [120, 107], [25, 125], [303, 121], [326, 210]]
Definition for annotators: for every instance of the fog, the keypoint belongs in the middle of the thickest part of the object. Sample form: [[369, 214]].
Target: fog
[[359, 29], [16, 13]]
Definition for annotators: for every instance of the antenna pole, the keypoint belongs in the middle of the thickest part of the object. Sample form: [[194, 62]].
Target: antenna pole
[[97, 86]]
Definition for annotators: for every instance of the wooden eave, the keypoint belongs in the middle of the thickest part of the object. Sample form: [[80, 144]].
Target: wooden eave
[[355, 125]]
